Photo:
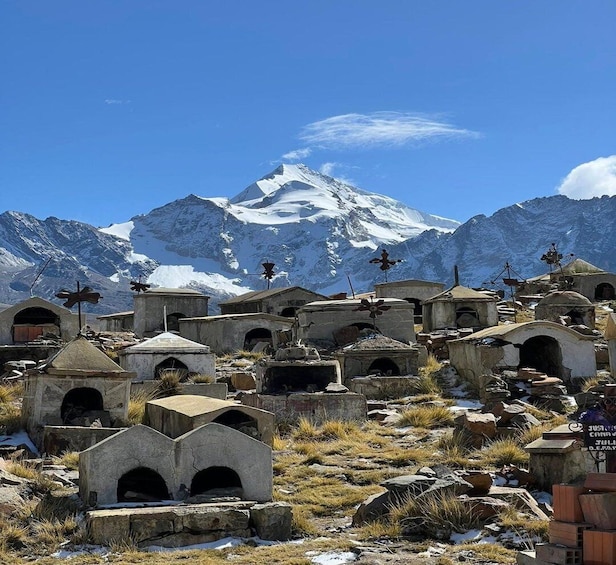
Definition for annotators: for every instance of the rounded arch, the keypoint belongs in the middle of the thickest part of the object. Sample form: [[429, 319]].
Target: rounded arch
[[216, 478], [577, 317], [171, 364], [289, 312], [240, 421], [142, 484], [362, 326], [256, 335], [384, 366], [32, 322], [173, 321], [467, 317], [78, 401], [543, 353], [605, 291]]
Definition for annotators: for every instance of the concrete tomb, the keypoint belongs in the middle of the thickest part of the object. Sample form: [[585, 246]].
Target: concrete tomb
[[319, 322], [413, 291], [234, 332], [550, 348], [296, 369], [566, 304], [277, 301], [143, 465], [167, 351], [79, 386], [178, 303], [176, 415], [32, 318]]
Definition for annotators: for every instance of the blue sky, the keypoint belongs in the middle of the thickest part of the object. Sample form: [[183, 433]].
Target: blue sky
[[112, 108]]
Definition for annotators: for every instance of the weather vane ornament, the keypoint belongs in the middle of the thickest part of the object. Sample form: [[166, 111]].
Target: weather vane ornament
[[138, 286], [385, 262], [268, 272], [374, 308], [85, 294]]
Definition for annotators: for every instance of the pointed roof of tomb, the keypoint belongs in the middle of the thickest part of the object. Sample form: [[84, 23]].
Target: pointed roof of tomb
[[79, 355], [461, 293], [376, 341], [168, 342]]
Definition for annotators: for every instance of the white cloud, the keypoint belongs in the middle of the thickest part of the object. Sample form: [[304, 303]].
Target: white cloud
[[113, 101], [297, 154], [595, 178], [330, 168], [379, 128]]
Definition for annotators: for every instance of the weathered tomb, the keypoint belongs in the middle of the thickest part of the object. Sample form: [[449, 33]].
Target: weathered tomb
[[296, 369], [277, 301], [379, 355], [610, 335], [35, 317], [177, 415], [142, 464], [460, 307], [551, 348], [234, 332], [160, 309], [78, 386], [298, 383], [568, 304], [319, 322], [167, 351], [412, 290]]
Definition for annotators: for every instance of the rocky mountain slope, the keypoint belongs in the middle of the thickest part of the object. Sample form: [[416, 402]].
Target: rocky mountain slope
[[319, 232]]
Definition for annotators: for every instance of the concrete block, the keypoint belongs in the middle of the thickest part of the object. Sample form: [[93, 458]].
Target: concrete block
[[272, 521]]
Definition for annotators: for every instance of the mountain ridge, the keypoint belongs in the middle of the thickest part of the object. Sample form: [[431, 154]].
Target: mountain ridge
[[319, 232]]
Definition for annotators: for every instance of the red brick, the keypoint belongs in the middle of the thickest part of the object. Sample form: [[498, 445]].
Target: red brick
[[599, 547], [566, 504], [599, 509], [601, 482], [567, 533], [559, 554]]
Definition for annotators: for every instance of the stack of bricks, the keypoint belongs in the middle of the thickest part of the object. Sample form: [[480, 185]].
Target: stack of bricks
[[599, 509], [583, 528], [566, 527]]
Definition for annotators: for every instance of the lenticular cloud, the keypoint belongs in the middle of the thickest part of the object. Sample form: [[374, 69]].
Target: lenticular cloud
[[379, 128], [595, 178]]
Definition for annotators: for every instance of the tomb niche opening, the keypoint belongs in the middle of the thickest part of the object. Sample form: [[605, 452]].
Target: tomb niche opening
[[255, 336], [173, 321], [142, 484], [240, 421], [171, 364], [542, 353], [384, 366], [30, 323], [605, 291], [80, 403], [217, 481]]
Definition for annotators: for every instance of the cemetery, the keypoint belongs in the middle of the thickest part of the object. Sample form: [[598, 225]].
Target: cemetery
[[346, 416]]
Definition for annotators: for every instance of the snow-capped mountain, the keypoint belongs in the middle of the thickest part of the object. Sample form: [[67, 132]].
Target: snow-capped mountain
[[318, 231]]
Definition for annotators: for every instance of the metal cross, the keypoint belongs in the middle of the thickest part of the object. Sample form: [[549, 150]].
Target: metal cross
[[85, 294]]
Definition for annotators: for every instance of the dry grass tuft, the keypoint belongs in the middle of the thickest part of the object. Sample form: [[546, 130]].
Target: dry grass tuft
[[136, 405], [11, 419], [169, 384], [434, 513], [511, 519], [70, 459], [207, 379], [426, 417], [502, 452]]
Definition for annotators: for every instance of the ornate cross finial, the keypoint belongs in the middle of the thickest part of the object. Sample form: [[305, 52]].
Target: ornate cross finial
[[85, 294], [268, 272], [138, 286], [385, 262]]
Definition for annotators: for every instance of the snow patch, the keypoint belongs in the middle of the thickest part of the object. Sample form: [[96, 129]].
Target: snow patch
[[119, 230]]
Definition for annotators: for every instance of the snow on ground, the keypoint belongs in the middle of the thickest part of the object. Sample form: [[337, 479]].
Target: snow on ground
[[19, 438], [331, 557]]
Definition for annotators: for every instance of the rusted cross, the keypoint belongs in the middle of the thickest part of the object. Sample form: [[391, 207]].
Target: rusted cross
[[85, 294]]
